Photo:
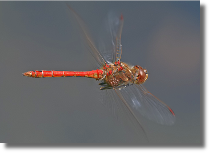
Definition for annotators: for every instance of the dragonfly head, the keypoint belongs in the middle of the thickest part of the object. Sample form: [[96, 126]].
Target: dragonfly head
[[141, 75]]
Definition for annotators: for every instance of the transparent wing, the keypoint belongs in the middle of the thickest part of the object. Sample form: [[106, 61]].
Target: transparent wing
[[116, 25], [142, 102], [110, 45], [94, 51], [117, 106]]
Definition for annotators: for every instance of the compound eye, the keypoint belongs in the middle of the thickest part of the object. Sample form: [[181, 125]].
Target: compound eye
[[142, 73], [145, 71]]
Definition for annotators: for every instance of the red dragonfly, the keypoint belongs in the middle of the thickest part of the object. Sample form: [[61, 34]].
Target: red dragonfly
[[124, 79]]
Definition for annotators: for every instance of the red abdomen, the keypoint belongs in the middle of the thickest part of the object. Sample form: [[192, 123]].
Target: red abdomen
[[96, 74]]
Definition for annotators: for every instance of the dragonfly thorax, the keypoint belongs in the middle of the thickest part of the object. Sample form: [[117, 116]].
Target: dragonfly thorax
[[120, 74]]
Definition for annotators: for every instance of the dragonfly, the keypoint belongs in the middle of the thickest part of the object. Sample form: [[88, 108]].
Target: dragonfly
[[124, 79]]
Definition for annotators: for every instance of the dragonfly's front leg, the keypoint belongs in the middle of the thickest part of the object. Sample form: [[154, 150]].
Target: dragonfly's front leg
[[104, 86]]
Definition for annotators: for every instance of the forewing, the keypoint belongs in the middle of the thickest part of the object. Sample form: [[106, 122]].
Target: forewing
[[116, 25], [110, 39], [142, 102]]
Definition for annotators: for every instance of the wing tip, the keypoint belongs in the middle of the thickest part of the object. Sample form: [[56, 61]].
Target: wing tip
[[172, 112], [121, 17]]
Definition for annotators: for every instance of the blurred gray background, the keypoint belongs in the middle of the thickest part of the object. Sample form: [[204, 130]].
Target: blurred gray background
[[163, 37]]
